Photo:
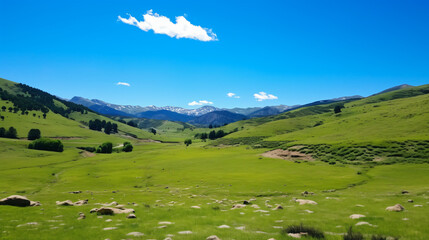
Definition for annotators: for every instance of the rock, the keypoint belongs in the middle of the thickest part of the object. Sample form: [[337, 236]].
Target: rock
[[410, 200], [364, 223], [75, 192], [240, 228], [255, 206], [131, 215], [81, 216], [185, 232], [261, 211], [294, 235], [109, 228], [238, 206], [165, 223], [81, 202], [135, 234], [396, 208], [223, 226], [65, 203], [304, 201], [110, 204], [278, 207], [245, 202], [418, 205], [196, 207], [308, 211], [356, 216], [110, 211], [404, 192], [213, 237], [34, 204], [16, 200]]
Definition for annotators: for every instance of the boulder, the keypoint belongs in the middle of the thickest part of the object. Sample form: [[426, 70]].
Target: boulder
[[135, 234], [131, 215], [278, 207], [111, 211], [304, 201], [81, 216], [65, 203], [356, 216], [213, 237], [397, 208], [16, 200], [81, 202], [238, 206]]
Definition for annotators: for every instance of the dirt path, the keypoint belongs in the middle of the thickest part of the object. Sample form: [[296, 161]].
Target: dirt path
[[287, 155]]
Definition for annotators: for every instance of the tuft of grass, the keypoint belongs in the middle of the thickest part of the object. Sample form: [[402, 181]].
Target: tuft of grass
[[311, 231], [350, 235]]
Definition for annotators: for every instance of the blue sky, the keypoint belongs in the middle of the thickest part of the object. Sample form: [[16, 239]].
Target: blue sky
[[297, 51]]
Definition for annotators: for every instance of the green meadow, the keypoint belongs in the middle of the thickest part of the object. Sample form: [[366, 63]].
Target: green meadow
[[363, 160]]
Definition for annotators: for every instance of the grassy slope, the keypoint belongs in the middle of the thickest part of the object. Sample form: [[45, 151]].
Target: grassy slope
[[372, 119]]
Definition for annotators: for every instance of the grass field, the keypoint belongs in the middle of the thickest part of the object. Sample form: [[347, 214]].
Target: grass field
[[165, 180], [365, 157]]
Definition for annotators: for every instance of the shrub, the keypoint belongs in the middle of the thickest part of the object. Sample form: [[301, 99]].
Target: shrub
[[128, 147], [2, 132], [47, 144], [89, 149], [106, 147], [312, 232], [350, 235], [11, 133], [188, 142], [34, 134]]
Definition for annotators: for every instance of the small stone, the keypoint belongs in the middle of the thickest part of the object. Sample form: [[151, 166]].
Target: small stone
[[135, 234], [109, 228], [196, 207], [223, 226], [131, 215], [356, 216], [213, 237], [185, 232]]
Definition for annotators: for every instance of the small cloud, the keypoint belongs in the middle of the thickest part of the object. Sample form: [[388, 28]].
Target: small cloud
[[199, 103], [123, 84], [261, 96], [163, 25], [232, 95]]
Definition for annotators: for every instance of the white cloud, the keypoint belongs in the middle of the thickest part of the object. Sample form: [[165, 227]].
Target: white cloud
[[261, 96], [123, 84], [232, 95], [199, 103], [163, 25]]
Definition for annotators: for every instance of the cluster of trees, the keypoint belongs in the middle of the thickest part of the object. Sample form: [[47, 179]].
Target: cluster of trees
[[108, 127], [10, 133], [15, 110], [212, 135], [47, 144], [107, 147], [37, 100]]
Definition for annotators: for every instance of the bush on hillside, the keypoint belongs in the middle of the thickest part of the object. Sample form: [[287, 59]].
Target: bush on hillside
[[47, 144], [350, 235], [88, 149], [128, 147], [106, 147], [11, 133], [2, 132], [34, 134]]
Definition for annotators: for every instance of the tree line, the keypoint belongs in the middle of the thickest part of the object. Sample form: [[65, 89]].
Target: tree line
[[212, 135], [99, 125]]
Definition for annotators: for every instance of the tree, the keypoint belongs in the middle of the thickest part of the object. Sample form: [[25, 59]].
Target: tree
[[10, 109], [34, 134], [3, 108], [188, 142], [204, 137], [11, 133], [210, 126], [128, 147], [153, 130], [108, 128], [220, 134], [106, 147], [44, 116], [212, 135], [2, 118], [115, 128], [337, 108], [2, 132]]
